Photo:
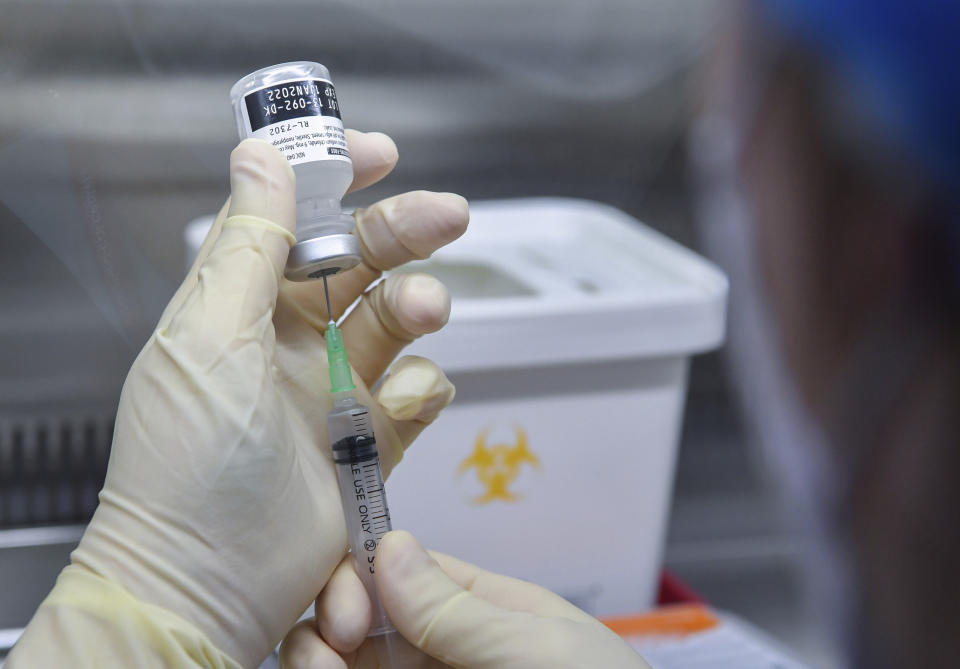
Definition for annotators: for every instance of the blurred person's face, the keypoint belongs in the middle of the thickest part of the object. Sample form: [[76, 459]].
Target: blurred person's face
[[827, 250], [845, 269]]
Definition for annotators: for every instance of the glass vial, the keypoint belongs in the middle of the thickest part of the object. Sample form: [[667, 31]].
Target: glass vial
[[294, 107]]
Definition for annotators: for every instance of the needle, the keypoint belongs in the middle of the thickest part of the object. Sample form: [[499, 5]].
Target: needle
[[326, 294]]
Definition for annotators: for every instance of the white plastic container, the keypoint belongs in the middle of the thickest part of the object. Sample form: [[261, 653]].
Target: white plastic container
[[555, 462], [572, 486]]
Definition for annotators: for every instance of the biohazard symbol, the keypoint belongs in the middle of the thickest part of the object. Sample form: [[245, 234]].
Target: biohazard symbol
[[498, 466]]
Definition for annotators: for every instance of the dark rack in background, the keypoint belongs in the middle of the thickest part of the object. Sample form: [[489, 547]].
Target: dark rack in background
[[51, 469]]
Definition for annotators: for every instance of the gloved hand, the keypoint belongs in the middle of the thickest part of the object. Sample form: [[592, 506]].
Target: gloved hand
[[456, 613], [221, 512]]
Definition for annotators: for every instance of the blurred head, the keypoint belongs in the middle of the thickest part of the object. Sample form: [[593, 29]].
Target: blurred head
[[834, 127]]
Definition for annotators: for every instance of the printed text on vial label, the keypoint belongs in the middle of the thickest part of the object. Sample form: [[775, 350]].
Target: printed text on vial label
[[306, 140]]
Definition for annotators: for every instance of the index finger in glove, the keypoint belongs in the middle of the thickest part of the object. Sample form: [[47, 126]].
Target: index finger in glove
[[343, 610], [237, 283], [454, 623], [510, 593], [448, 621]]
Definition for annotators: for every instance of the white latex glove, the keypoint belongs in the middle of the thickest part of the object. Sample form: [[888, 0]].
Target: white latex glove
[[456, 613], [220, 519]]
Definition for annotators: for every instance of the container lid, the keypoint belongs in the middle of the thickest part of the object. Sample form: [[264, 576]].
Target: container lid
[[531, 275]]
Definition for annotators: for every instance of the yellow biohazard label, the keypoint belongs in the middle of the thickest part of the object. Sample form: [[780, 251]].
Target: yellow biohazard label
[[498, 466]]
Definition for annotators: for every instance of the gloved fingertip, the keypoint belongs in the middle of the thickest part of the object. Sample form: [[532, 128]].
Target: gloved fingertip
[[344, 624], [459, 206], [420, 303], [415, 389], [262, 147], [410, 226], [262, 183], [400, 557], [304, 649], [385, 146], [458, 214], [343, 609], [347, 630], [449, 216]]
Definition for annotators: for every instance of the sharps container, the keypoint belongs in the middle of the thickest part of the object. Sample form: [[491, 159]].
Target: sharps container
[[555, 461]]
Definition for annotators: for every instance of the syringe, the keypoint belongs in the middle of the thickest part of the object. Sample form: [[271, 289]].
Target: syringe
[[365, 508]]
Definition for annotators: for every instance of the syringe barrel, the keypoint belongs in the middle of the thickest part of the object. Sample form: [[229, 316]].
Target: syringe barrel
[[361, 491]]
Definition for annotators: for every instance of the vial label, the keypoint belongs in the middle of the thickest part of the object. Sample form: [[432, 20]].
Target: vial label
[[301, 118]]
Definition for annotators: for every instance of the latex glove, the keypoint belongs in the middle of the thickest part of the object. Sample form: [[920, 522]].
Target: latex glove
[[456, 613], [220, 519]]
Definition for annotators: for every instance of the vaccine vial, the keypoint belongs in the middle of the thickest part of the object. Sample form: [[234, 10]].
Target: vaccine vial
[[294, 107]]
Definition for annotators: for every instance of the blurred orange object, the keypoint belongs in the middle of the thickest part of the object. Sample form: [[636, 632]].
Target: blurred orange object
[[676, 620], [694, 636]]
